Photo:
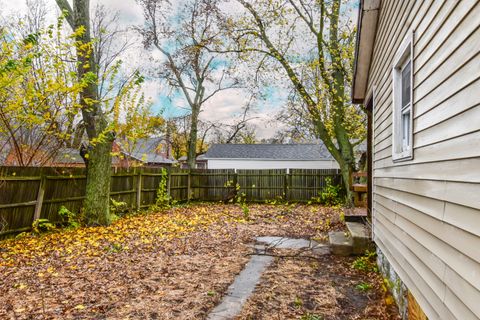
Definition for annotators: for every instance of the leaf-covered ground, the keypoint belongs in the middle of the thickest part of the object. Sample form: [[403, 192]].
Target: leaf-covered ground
[[321, 289], [177, 264]]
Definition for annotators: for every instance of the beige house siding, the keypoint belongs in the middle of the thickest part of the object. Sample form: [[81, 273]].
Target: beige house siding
[[426, 211]]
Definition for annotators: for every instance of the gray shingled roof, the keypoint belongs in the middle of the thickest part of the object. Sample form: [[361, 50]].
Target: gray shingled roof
[[68, 155], [145, 150], [269, 151]]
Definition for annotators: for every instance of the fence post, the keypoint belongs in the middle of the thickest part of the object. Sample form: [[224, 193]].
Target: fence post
[[40, 194], [285, 184], [169, 183], [139, 189], [235, 182], [189, 187]]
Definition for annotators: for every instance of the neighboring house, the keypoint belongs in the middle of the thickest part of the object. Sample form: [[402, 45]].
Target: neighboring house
[[150, 152], [29, 156], [417, 71], [200, 162], [68, 157], [269, 156]]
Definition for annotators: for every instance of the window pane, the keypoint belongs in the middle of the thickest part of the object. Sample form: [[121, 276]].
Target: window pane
[[406, 77], [405, 130]]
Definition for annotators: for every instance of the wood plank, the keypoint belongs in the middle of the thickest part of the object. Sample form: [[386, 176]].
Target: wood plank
[[462, 217], [415, 312], [458, 148], [461, 147], [427, 264], [428, 206], [382, 74], [16, 178], [17, 205], [397, 31], [429, 33], [40, 196]]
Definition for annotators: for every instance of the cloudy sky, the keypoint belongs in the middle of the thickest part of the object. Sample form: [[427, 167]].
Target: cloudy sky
[[223, 107]]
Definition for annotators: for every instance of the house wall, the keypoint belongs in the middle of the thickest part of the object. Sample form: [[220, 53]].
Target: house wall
[[270, 164], [426, 211]]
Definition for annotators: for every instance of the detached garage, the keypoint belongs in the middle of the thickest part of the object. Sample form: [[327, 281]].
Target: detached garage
[[269, 156]]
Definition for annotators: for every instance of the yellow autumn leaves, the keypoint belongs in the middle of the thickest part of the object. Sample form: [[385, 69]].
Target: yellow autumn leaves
[[123, 235]]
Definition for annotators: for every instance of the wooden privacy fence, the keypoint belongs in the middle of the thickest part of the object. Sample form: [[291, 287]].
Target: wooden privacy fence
[[30, 193]]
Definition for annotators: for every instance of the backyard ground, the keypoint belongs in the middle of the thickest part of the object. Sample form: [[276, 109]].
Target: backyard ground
[[176, 264]]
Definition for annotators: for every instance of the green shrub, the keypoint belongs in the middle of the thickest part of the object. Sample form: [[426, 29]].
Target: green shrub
[[366, 263], [116, 208], [163, 198], [69, 219], [241, 200], [42, 225], [363, 286], [329, 196]]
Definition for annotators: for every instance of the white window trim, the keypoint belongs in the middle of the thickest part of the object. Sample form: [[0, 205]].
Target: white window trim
[[403, 55]]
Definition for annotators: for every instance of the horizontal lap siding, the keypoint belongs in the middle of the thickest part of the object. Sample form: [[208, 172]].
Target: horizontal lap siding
[[427, 210]]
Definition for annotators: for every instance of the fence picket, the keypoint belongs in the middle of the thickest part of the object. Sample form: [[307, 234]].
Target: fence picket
[[30, 193]]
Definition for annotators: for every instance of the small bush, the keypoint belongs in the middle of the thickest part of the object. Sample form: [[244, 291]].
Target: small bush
[[329, 196], [163, 198], [363, 286], [241, 200], [116, 208], [69, 219], [366, 263], [42, 225]]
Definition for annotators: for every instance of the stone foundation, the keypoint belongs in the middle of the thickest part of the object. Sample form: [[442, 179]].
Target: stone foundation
[[397, 288]]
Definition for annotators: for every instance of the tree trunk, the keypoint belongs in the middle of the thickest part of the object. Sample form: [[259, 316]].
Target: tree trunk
[[97, 197], [192, 141], [346, 171], [97, 201]]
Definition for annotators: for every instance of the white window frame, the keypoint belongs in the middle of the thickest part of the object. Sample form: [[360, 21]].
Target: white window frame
[[404, 55]]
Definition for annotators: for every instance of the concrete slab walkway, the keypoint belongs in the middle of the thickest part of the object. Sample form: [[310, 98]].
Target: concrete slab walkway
[[244, 284]]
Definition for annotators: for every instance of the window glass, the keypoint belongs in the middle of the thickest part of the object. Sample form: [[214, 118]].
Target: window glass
[[406, 75], [406, 130]]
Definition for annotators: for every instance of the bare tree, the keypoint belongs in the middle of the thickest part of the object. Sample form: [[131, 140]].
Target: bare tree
[[191, 69], [239, 131], [312, 43], [111, 42]]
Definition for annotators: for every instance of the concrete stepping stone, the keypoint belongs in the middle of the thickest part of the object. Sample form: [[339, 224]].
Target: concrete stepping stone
[[244, 284], [241, 288], [340, 243], [360, 237], [354, 242]]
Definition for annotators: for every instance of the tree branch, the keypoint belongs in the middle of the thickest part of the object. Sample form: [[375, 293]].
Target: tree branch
[[65, 7]]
